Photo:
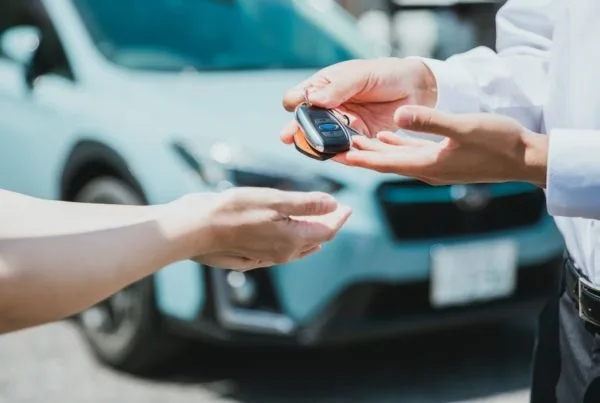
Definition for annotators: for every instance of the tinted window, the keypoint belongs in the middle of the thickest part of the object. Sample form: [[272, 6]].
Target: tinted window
[[208, 34], [15, 13], [50, 57]]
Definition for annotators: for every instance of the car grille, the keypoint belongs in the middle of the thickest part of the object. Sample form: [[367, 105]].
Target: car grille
[[415, 210]]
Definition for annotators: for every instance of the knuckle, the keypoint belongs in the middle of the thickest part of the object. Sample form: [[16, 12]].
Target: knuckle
[[233, 196], [427, 120], [422, 120], [309, 206], [272, 215], [281, 259], [472, 127], [313, 206], [288, 105]]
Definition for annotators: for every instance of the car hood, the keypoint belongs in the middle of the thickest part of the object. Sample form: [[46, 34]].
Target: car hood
[[241, 109]]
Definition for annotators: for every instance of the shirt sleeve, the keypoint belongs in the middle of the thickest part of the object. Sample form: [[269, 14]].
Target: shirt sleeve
[[573, 185], [512, 80]]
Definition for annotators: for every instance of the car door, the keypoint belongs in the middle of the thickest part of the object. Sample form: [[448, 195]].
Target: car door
[[32, 131]]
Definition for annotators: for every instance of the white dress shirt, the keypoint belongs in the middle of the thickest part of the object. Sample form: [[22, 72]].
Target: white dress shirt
[[545, 74]]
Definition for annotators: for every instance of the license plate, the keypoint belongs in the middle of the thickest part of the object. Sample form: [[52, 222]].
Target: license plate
[[472, 272]]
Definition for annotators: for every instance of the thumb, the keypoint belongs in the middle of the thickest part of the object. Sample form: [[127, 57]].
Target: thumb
[[330, 87], [397, 139], [336, 92], [427, 120], [304, 203]]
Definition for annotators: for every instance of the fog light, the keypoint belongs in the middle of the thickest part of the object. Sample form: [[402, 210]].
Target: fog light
[[243, 288]]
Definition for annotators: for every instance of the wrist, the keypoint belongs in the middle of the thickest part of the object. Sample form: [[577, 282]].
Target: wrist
[[453, 87], [421, 81], [187, 225], [427, 91], [535, 164]]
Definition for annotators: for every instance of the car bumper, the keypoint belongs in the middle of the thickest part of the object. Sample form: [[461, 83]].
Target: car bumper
[[366, 311]]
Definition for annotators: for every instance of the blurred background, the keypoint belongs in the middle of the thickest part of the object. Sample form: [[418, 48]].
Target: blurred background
[[428, 294]]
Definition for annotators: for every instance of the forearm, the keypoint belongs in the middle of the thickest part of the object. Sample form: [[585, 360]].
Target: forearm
[[59, 258]]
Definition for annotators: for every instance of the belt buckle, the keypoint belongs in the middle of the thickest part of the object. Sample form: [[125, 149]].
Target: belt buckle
[[582, 315]]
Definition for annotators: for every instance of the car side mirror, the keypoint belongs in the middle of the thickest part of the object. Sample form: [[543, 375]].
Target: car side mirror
[[20, 43]]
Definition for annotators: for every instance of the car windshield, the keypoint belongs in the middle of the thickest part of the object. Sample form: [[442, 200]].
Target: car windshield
[[175, 35]]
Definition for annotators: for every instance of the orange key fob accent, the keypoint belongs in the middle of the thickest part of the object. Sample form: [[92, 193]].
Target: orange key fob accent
[[302, 145]]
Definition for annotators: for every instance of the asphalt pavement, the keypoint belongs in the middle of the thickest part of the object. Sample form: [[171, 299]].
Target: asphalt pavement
[[485, 364]]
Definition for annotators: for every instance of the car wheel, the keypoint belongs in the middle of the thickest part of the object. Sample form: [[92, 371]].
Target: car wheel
[[124, 331]]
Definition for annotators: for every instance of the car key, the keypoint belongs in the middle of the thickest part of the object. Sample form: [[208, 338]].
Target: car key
[[321, 135]]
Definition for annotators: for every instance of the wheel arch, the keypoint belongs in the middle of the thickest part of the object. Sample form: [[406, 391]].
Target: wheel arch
[[89, 159]]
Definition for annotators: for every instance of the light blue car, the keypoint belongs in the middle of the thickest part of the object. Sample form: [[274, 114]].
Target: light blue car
[[143, 101]]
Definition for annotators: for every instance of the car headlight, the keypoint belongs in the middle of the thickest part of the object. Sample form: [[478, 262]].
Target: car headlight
[[221, 167]]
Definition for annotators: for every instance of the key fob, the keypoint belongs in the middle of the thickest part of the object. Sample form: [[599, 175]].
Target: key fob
[[321, 135]]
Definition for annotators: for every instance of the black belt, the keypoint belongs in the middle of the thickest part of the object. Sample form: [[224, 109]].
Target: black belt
[[584, 293]]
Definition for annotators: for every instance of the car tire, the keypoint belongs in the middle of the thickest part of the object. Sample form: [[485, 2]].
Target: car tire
[[125, 331]]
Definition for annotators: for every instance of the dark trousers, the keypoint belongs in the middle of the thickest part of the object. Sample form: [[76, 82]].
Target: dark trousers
[[566, 362]]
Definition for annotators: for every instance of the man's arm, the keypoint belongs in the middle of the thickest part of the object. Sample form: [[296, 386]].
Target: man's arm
[[511, 81]]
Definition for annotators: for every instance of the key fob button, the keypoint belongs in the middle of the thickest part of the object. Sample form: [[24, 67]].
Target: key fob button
[[328, 127]]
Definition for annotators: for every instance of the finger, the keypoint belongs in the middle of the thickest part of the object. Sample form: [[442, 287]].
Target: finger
[[310, 251], [367, 144], [288, 132], [341, 159], [396, 139], [427, 120], [226, 262], [296, 95], [309, 247], [329, 88], [352, 121], [323, 228], [373, 160], [303, 203], [286, 203], [410, 163], [335, 93]]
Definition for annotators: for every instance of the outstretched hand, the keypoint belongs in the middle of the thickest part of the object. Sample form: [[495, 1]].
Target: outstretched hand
[[474, 148], [262, 227]]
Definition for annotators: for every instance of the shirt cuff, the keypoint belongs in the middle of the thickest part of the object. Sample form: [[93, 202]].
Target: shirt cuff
[[573, 184], [457, 91]]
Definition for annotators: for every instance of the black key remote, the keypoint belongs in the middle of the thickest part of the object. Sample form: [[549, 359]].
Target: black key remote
[[322, 134]]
